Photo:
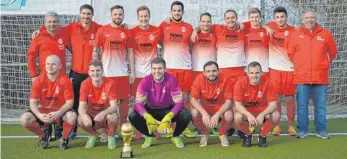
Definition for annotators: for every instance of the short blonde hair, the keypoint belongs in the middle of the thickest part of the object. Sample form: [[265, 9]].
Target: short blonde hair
[[141, 8], [254, 10]]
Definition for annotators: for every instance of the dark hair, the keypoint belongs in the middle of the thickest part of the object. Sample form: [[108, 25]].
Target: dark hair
[[254, 64], [87, 6], [95, 63], [177, 3], [230, 10], [205, 14], [117, 7], [158, 60], [280, 10], [141, 8], [254, 10], [209, 63]]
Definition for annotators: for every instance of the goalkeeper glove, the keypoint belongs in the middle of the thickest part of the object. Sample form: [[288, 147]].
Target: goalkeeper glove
[[164, 126], [151, 123]]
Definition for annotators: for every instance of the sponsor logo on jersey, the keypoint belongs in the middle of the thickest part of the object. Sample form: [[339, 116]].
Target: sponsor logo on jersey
[[97, 106], [52, 98]]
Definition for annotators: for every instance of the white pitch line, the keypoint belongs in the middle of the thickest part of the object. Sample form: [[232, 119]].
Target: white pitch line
[[83, 136]]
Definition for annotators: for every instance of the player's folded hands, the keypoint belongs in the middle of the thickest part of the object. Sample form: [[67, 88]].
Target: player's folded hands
[[164, 126], [44, 117], [151, 123]]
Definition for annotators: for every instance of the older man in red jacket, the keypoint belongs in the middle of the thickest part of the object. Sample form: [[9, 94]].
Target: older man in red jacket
[[311, 49]]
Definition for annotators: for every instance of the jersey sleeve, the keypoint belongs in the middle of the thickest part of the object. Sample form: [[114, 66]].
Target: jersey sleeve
[[228, 91], [130, 41], [238, 91], [35, 90], [177, 97], [84, 91], [68, 90], [33, 53], [272, 25], [112, 95], [99, 38], [196, 88], [272, 92], [332, 50], [141, 97], [290, 46]]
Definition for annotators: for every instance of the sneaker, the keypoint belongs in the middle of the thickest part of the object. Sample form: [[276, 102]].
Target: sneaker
[[277, 130], [323, 135], [148, 142], [247, 141], [262, 141], [203, 140], [58, 131], [64, 143], [90, 142], [44, 142], [72, 135], [111, 142], [178, 142], [301, 134], [103, 137], [188, 133], [291, 130], [251, 129], [230, 132], [240, 134], [224, 140], [214, 131]]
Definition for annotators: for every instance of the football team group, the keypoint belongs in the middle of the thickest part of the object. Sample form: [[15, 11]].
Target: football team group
[[217, 76]]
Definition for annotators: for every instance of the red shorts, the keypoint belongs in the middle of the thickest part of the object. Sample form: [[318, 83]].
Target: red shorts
[[196, 73], [184, 78], [134, 86], [234, 73], [285, 81], [256, 110], [122, 86], [211, 109]]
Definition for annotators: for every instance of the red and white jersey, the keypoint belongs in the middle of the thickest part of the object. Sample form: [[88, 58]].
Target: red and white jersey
[[278, 57], [204, 50], [256, 46], [145, 43], [114, 43], [230, 51], [176, 45]]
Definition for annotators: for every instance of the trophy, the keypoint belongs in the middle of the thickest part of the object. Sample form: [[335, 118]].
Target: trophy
[[127, 132]]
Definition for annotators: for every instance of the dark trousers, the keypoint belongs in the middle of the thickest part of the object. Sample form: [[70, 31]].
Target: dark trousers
[[77, 80], [182, 120]]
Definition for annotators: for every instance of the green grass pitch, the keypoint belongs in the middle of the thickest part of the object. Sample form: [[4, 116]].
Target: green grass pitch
[[280, 147]]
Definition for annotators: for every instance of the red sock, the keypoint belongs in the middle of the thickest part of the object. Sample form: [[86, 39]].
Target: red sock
[[89, 129], [243, 127], [197, 122], [67, 128], [279, 109], [36, 129], [291, 112], [111, 128], [123, 111], [267, 127]]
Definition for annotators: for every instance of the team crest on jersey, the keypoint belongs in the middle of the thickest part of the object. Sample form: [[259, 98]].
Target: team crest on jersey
[[320, 38], [103, 96], [57, 90], [122, 35], [261, 34], [218, 91], [260, 94], [183, 29], [151, 37], [60, 41], [286, 33], [91, 36]]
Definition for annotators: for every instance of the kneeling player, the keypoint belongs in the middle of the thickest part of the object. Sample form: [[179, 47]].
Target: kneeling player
[[55, 93], [215, 93], [98, 105], [159, 102], [255, 103]]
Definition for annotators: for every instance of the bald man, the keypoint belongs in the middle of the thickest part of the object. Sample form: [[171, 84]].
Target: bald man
[[55, 93]]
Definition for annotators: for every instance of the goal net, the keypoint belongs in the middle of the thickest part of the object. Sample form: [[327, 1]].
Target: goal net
[[17, 26]]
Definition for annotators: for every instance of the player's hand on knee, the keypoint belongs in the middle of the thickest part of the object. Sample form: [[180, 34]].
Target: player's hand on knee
[[53, 116], [87, 121], [251, 120], [214, 120], [164, 128], [206, 119], [260, 118], [43, 117], [100, 117], [151, 123]]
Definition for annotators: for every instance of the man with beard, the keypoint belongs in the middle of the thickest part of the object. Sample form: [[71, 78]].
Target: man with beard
[[255, 104], [98, 105], [176, 52], [215, 91], [145, 42], [51, 100], [113, 46], [159, 102]]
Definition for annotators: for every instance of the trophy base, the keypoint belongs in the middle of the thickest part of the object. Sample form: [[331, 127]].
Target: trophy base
[[126, 154]]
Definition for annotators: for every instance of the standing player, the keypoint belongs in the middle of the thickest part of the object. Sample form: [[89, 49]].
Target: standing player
[[204, 47], [215, 91], [255, 103], [54, 91], [114, 44], [256, 41], [159, 102], [145, 42], [176, 51], [98, 105], [281, 68]]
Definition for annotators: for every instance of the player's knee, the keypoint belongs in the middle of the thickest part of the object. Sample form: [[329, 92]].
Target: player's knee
[[228, 115], [71, 116], [275, 116], [185, 115], [79, 120], [26, 118], [238, 117], [133, 116], [113, 117], [289, 99], [195, 113], [186, 97]]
